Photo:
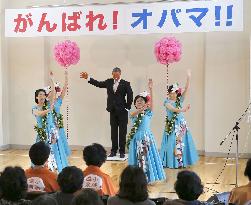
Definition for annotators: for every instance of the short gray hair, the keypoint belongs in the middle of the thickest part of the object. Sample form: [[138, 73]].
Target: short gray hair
[[116, 69]]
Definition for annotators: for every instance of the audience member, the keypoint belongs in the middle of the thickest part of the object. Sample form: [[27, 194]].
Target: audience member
[[94, 156], [13, 186], [188, 187], [87, 197], [70, 180], [132, 188], [39, 177], [44, 200], [242, 194]]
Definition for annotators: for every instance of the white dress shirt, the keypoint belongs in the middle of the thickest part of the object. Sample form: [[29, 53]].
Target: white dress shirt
[[115, 85]]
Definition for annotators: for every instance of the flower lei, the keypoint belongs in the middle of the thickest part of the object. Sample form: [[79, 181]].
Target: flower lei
[[58, 119], [41, 131], [170, 123], [134, 129]]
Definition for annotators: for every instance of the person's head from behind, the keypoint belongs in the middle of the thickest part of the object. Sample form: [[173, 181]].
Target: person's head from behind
[[247, 171], [39, 153], [44, 200], [13, 183], [94, 155], [188, 185], [133, 184], [116, 73], [70, 179], [87, 197]]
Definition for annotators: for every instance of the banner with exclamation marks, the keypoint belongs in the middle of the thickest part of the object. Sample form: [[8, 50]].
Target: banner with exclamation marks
[[127, 18], [115, 20], [219, 19]]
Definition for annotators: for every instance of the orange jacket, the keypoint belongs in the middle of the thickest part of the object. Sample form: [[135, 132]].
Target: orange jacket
[[41, 179], [240, 195], [99, 181]]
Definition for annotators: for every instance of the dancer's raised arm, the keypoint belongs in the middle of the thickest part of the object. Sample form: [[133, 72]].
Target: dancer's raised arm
[[150, 87], [65, 84], [99, 84], [53, 91], [187, 83]]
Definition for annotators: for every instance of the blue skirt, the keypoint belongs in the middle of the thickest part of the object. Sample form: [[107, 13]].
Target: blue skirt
[[64, 142], [190, 155], [153, 168]]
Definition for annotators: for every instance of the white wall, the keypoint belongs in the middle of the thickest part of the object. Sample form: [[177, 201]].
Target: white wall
[[26, 65], [227, 80], [226, 85], [219, 90], [4, 83], [1, 67]]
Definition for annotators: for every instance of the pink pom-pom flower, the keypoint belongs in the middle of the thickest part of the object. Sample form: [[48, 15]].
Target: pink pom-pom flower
[[168, 50], [67, 53]]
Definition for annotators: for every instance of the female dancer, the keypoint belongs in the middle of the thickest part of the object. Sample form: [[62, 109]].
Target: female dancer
[[57, 114], [47, 129], [177, 148], [143, 151]]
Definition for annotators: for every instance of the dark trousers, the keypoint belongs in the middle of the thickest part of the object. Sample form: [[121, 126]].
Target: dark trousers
[[118, 122]]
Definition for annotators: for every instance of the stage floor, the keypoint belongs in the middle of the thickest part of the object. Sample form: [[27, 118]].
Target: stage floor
[[208, 168]]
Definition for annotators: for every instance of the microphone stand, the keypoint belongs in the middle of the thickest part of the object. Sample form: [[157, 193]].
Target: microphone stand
[[236, 129]]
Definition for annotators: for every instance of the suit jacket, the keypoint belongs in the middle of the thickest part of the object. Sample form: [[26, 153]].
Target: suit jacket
[[116, 101]]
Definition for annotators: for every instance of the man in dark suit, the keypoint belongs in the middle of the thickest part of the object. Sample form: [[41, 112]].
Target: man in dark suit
[[117, 105]]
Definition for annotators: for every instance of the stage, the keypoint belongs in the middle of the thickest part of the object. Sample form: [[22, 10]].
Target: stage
[[208, 168]]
